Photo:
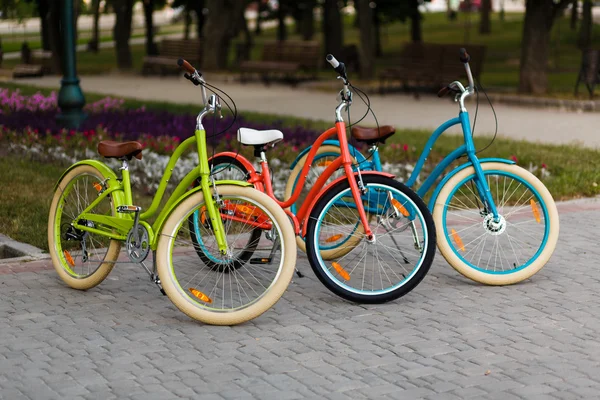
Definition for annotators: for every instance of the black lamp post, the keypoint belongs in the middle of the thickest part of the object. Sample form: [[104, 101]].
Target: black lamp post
[[70, 96]]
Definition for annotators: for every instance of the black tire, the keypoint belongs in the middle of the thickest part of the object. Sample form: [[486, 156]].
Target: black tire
[[249, 249], [337, 286]]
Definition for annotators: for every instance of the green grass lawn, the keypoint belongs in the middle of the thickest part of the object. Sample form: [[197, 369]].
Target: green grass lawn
[[501, 65], [27, 184], [12, 43], [500, 69]]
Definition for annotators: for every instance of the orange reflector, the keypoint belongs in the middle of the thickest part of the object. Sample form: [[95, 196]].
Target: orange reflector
[[201, 295], [536, 211], [333, 238], [326, 163], [97, 186], [457, 240], [248, 210], [341, 271], [400, 208], [203, 215], [69, 258]]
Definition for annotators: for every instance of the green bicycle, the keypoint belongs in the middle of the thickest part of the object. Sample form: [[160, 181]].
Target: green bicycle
[[93, 214]]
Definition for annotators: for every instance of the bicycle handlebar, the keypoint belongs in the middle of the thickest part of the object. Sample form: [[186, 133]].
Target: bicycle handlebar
[[187, 67], [193, 75], [443, 91], [339, 67], [464, 56]]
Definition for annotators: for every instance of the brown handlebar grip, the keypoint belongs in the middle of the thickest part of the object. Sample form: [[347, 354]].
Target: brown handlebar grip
[[443, 91], [186, 66]]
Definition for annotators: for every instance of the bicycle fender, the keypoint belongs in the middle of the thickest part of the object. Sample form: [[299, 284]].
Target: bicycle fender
[[100, 166], [326, 188], [247, 164], [353, 151], [455, 171], [110, 176]]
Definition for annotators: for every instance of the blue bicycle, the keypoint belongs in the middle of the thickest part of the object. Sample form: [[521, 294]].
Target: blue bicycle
[[496, 222]]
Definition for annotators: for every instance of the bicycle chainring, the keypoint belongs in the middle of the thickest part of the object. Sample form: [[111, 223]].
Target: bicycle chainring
[[138, 250]]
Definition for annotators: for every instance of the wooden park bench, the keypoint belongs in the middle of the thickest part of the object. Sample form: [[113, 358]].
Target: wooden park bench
[[589, 73], [169, 51], [291, 61], [429, 66], [35, 63]]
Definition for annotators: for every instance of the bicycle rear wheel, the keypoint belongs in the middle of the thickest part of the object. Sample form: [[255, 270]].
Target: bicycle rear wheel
[[81, 259], [496, 253], [378, 270], [237, 291], [324, 156]]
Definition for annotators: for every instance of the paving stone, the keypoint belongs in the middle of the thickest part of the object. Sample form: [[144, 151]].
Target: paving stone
[[447, 339]]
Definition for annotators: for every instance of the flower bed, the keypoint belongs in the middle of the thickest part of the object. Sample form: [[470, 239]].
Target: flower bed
[[29, 127]]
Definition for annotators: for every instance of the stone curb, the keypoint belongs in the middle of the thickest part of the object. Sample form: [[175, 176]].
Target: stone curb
[[19, 252], [542, 102]]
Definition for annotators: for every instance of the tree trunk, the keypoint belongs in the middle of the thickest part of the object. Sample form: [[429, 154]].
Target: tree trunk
[[485, 25], [281, 29], [416, 33], [54, 37], [307, 22], [535, 44], [151, 49], [574, 9], [585, 30], [259, 9], [93, 43], [332, 27], [377, 26], [187, 22], [199, 11], [221, 26], [43, 9], [122, 32], [367, 41]]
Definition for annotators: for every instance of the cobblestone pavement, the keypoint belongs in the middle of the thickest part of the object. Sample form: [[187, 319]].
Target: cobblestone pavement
[[448, 339]]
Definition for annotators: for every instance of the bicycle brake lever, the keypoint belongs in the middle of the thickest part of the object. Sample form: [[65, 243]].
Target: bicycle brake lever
[[191, 78]]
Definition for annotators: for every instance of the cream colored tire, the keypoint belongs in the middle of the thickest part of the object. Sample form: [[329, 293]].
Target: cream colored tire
[[289, 189], [489, 278], [58, 259], [174, 291]]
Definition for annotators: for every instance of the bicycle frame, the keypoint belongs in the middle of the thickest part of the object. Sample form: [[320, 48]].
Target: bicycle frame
[[118, 226], [468, 149], [262, 181]]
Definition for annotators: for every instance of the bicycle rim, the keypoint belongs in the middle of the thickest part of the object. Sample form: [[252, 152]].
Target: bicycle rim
[[237, 284], [383, 269], [504, 247]]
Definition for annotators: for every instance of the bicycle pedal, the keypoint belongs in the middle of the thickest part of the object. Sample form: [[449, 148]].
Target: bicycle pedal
[[260, 260], [128, 209]]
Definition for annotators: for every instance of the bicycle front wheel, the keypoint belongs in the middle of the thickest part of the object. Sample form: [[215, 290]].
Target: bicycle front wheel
[[496, 252], [81, 259], [238, 290], [386, 267]]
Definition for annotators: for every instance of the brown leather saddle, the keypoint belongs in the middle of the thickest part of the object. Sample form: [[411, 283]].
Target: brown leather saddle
[[372, 135], [112, 149]]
